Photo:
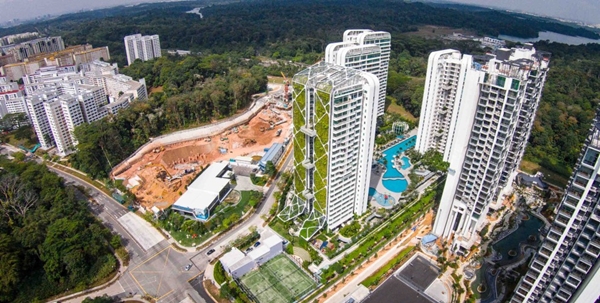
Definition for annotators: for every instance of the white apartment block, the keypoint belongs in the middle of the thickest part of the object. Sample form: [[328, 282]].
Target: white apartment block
[[141, 47], [39, 119], [60, 98], [335, 113], [565, 268], [11, 98], [118, 87], [449, 89], [494, 97], [364, 50], [384, 41], [55, 114]]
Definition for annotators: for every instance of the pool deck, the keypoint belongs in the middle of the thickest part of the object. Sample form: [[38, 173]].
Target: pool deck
[[376, 177]]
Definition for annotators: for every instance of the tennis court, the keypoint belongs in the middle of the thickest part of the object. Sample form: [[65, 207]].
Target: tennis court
[[278, 281]]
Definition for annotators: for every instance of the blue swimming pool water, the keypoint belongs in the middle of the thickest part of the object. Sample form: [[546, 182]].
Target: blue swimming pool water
[[372, 191], [381, 199], [397, 183], [405, 162]]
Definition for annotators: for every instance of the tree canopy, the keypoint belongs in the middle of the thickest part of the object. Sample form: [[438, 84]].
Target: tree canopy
[[49, 241]]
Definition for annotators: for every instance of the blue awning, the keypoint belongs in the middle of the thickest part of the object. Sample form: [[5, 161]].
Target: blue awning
[[429, 238]]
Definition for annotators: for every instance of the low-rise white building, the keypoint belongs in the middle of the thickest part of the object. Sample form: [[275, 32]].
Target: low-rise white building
[[208, 190], [237, 264]]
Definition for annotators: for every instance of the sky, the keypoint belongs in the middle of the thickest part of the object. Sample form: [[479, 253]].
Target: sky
[[580, 10], [28, 9]]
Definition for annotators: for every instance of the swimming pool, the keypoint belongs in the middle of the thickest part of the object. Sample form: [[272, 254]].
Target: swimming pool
[[393, 180], [383, 200], [395, 185], [405, 162]]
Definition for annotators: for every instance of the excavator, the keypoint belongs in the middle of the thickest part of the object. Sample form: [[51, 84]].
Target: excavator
[[165, 175]]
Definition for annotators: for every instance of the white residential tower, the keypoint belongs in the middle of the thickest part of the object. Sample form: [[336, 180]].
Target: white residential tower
[[142, 47], [335, 113], [478, 111]]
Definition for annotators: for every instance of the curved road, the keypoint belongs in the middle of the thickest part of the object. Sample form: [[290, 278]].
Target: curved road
[[139, 277]]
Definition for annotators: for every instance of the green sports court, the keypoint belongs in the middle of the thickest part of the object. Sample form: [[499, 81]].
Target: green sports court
[[279, 280]]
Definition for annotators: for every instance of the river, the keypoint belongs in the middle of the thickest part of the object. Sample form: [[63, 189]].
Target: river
[[553, 37]]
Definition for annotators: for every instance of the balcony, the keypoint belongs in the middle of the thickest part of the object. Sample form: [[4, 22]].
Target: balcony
[[308, 131], [308, 165]]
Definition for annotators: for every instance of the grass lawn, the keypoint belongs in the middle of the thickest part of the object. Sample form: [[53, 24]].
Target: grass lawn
[[549, 176], [375, 278], [432, 31], [309, 227], [400, 110], [279, 280], [184, 237], [27, 143]]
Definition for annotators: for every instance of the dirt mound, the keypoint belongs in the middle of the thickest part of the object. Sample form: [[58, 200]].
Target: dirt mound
[[186, 154]]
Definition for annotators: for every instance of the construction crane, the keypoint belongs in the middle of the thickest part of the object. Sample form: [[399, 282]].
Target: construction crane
[[286, 85]]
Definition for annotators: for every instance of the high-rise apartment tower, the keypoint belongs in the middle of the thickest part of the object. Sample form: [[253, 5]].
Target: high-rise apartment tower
[[565, 268], [478, 112], [141, 47], [335, 113], [364, 50]]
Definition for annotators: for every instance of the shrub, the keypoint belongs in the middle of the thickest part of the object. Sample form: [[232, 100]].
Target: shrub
[[350, 230], [123, 255], [115, 241], [219, 273]]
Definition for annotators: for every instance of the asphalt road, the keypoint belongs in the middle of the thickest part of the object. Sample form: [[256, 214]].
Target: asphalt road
[[159, 271]]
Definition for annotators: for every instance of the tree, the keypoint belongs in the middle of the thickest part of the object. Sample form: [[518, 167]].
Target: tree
[[103, 299], [270, 169]]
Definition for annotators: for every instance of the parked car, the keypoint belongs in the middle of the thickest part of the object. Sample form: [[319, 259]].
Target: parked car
[[210, 251], [257, 244], [187, 267], [249, 249]]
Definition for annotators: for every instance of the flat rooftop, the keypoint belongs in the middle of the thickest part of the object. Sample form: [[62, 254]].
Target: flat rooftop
[[408, 283], [203, 191]]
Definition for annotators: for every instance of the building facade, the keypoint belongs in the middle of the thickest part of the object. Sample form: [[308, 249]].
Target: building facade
[[142, 47], [27, 49], [334, 120], [364, 50], [565, 268], [494, 97], [60, 98], [447, 92], [11, 98]]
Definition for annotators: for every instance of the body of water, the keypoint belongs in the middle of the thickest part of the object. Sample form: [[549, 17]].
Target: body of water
[[393, 180], [383, 200], [553, 37]]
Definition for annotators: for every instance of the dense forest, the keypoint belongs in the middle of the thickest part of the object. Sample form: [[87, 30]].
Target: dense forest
[[49, 240], [232, 37], [195, 90], [285, 28]]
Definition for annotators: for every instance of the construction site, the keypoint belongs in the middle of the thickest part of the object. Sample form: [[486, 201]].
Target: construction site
[[159, 173]]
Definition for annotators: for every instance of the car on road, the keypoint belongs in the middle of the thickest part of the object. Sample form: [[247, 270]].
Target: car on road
[[257, 244], [187, 267], [210, 251]]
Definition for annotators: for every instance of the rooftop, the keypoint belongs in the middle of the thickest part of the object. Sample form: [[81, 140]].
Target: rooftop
[[324, 76], [276, 147], [203, 191]]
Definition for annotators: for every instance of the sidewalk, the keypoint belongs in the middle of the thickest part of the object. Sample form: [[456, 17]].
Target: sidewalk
[[354, 281]]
